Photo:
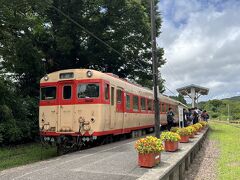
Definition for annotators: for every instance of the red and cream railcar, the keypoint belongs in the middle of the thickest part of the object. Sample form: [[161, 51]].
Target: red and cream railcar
[[89, 103]]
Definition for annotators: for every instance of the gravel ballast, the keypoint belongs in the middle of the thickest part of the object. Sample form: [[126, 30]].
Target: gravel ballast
[[204, 164]]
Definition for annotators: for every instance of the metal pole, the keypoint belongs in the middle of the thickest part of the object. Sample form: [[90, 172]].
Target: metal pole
[[193, 96], [155, 70], [228, 112]]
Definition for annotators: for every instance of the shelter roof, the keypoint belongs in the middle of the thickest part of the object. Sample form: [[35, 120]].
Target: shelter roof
[[198, 89]]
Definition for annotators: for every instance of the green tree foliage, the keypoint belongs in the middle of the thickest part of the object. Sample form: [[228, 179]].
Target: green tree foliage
[[21, 56], [122, 24], [179, 98], [18, 117], [33, 31], [218, 108]]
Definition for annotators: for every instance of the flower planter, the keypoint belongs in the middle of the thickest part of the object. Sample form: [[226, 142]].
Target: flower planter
[[191, 136], [184, 139], [157, 158], [148, 160], [170, 146]]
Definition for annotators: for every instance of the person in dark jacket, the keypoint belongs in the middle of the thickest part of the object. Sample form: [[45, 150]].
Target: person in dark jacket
[[185, 117], [195, 116], [170, 119]]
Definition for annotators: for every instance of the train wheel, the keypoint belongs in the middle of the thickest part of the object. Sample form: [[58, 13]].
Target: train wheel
[[144, 132], [60, 150], [139, 133]]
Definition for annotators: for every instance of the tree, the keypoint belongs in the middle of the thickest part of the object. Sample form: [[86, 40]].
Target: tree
[[33, 31], [123, 24], [179, 98]]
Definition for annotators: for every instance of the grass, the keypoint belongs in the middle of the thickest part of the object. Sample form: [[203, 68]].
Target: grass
[[228, 138], [24, 154]]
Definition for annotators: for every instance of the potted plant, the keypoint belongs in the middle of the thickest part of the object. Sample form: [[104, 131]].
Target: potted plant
[[184, 135], [191, 130], [171, 140], [198, 127], [174, 129], [203, 123], [149, 149]]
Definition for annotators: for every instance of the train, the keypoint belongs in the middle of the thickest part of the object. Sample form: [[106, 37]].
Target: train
[[80, 106]]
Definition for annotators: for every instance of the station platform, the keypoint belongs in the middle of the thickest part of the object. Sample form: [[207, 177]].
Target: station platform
[[113, 161]]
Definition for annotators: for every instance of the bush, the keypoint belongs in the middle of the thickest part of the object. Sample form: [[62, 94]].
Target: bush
[[18, 115], [183, 132], [197, 126], [191, 129], [170, 136], [174, 129], [149, 144], [203, 123], [214, 115]]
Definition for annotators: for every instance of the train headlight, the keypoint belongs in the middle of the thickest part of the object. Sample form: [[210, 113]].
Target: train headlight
[[89, 73], [46, 78]]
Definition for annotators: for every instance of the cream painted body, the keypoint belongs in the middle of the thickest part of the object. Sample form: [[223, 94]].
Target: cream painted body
[[101, 117]]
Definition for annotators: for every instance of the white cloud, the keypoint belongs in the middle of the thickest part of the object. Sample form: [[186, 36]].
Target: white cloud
[[202, 45]]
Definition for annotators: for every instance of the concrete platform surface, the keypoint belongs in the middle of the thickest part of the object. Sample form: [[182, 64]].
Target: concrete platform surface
[[113, 161]]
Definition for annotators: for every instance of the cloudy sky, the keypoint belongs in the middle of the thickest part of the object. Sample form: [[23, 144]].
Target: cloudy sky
[[201, 39]]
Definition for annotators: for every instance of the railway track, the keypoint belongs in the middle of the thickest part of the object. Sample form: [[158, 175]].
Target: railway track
[[228, 123]]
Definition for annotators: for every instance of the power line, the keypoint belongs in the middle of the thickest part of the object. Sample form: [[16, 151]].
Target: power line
[[93, 35], [170, 90]]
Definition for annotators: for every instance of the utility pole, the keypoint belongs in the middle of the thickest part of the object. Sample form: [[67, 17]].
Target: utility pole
[[155, 70]]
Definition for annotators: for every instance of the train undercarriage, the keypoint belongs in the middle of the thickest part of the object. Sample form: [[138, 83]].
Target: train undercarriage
[[67, 143]]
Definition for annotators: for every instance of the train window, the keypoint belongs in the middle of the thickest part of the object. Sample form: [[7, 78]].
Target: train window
[[88, 90], [128, 106], [48, 93], [106, 89], [143, 104], [167, 107], [163, 107], [135, 102], [67, 92], [119, 96], [149, 104], [112, 96]]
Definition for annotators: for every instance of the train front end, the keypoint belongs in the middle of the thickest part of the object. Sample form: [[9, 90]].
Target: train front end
[[70, 108]]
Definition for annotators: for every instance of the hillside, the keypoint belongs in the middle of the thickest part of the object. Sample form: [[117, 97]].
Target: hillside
[[234, 98], [219, 108]]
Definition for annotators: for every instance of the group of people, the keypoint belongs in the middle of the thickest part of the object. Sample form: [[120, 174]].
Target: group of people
[[190, 116]]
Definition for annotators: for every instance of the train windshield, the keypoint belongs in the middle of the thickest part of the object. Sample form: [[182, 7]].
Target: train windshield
[[90, 90], [48, 93]]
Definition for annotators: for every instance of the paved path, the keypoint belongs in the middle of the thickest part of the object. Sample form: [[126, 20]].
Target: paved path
[[115, 161]]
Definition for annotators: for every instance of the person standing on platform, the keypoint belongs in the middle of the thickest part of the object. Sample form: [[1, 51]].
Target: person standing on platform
[[195, 116], [205, 116], [185, 117], [170, 119]]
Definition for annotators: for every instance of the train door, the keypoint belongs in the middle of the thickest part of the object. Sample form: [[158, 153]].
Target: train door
[[66, 97], [120, 108], [112, 108]]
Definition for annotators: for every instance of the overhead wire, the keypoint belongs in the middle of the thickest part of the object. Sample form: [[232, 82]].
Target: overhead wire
[[97, 38], [93, 35], [170, 90]]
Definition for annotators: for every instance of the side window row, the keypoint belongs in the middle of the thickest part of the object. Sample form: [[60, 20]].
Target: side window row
[[145, 104]]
